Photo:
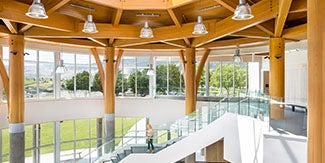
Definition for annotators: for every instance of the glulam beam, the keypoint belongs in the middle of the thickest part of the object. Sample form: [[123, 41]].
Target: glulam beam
[[263, 11], [15, 11], [284, 7]]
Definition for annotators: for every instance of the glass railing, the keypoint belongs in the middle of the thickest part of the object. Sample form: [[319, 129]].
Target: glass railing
[[253, 104], [77, 138]]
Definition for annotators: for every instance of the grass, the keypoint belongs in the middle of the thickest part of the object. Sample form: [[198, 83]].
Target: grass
[[84, 130]]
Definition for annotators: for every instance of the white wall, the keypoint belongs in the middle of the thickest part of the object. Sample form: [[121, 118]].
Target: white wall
[[285, 149], [158, 110], [296, 76]]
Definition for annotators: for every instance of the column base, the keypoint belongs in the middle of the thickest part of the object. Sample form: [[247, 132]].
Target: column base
[[109, 131], [17, 142]]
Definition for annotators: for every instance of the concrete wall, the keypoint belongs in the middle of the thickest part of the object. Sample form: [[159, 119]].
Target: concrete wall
[[158, 110]]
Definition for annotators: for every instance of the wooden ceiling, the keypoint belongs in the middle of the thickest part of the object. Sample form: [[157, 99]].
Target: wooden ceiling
[[119, 25]]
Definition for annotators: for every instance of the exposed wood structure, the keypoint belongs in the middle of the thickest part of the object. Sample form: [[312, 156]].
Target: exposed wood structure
[[172, 21], [316, 82], [109, 84], [99, 66], [200, 69], [190, 92], [117, 63], [16, 79], [5, 79], [263, 13], [284, 8], [11, 26], [277, 77]]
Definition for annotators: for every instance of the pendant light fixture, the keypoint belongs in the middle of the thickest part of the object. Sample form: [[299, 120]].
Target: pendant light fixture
[[237, 58], [61, 68], [243, 11], [37, 10], [199, 28], [89, 26], [146, 31], [151, 71]]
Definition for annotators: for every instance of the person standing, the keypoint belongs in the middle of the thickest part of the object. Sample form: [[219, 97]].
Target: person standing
[[151, 148]]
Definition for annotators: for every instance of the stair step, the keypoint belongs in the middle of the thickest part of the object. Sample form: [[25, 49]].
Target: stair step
[[121, 155], [127, 152]]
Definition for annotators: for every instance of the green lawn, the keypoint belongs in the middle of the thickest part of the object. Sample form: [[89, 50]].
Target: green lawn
[[83, 131]]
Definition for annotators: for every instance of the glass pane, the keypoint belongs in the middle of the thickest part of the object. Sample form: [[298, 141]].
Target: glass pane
[[67, 79], [130, 74], [5, 60], [175, 78], [161, 75], [66, 131], [241, 79], [5, 144], [30, 65], [46, 75], [46, 154], [215, 68], [142, 77], [82, 129], [82, 76], [66, 152], [227, 78], [28, 137], [47, 133], [96, 87]]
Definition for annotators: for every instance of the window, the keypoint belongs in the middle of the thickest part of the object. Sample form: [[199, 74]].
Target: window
[[30, 70], [96, 87], [129, 72], [68, 78], [82, 75], [46, 75]]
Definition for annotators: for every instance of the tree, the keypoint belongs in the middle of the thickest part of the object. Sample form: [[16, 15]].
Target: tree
[[174, 79], [97, 83], [82, 81], [161, 79], [119, 84], [228, 77], [142, 80]]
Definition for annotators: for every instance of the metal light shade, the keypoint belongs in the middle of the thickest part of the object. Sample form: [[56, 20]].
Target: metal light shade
[[37, 10], [151, 71], [237, 58], [199, 28], [146, 31], [61, 68], [243, 11], [89, 26]]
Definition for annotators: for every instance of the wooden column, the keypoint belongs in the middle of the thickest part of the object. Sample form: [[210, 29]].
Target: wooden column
[[109, 87], [16, 99], [109, 100], [190, 93], [16, 79], [277, 76], [316, 81]]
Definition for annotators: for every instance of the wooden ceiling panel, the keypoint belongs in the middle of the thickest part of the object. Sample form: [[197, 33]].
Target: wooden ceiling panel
[[296, 19], [297, 16], [102, 14], [129, 17], [191, 11]]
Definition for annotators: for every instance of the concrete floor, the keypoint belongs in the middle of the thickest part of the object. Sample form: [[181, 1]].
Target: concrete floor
[[295, 122]]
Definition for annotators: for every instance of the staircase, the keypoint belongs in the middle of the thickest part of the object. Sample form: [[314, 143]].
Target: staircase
[[205, 126]]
